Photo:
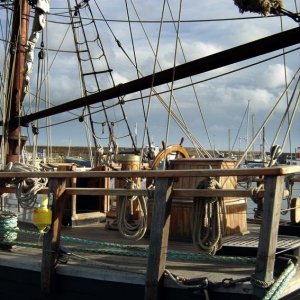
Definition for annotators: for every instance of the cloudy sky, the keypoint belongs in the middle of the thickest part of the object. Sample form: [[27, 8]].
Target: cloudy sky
[[214, 111]]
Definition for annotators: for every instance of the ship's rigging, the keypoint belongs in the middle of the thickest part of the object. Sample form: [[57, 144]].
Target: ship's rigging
[[119, 96]]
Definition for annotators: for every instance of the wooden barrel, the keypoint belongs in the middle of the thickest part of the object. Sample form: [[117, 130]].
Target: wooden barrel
[[128, 162]]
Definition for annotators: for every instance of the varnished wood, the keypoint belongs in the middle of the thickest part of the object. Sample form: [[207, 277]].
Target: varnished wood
[[295, 210]]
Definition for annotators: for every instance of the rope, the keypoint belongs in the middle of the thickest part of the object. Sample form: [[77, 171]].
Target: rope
[[206, 231], [276, 287], [8, 227], [263, 7], [280, 284], [267, 119], [131, 229], [26, 189], [138, 251], [172, 82]]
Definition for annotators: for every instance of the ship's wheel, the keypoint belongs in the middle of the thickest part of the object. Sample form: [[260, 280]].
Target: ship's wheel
[[172, 151]]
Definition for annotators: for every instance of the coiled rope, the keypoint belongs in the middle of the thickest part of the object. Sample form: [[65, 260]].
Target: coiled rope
[[26, 189], [131, 229], [8, 227], [206, 231]]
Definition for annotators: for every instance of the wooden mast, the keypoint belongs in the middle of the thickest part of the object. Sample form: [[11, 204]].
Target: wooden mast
[[17, 78]]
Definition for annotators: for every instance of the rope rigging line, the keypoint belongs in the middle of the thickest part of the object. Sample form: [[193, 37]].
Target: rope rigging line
[[184, 86], [179, 121], [239, 129], [285, 80], [99, 43], [172, 82], [193, 87], [50, 125], [121, 106], [181, 124], [266, 119], [65, 14], [77, 24], [55, 56], [286, 115], [138, 75], [176, 88], [119, 99]]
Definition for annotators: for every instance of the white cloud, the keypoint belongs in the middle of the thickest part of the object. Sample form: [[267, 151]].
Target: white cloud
[[274, 76]]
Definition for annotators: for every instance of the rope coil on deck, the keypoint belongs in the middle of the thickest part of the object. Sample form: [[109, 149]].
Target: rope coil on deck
[[26, 189], [132, 229], [206, 233]]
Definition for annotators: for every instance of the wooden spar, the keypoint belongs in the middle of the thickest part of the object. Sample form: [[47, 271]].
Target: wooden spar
[[17, 77], [208, 63]]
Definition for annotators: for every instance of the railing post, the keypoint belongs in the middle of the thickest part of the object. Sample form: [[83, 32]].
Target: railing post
[[274, 189], [52, 237], [159, 236]]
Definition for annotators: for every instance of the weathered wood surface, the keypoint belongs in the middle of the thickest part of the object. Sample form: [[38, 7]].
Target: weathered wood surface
[[282, 170], [94, 191], [159, 237], [52, 237], [109, 267], [264, 270], [158, 243]]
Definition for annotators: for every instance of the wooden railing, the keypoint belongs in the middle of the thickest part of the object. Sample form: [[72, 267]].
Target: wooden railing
[[160, 224]]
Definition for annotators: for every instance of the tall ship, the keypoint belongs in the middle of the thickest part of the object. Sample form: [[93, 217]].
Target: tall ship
[[153, 207]]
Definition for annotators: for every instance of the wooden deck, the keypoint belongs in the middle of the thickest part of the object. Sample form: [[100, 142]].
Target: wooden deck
[[62, 268], [113, 266]]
